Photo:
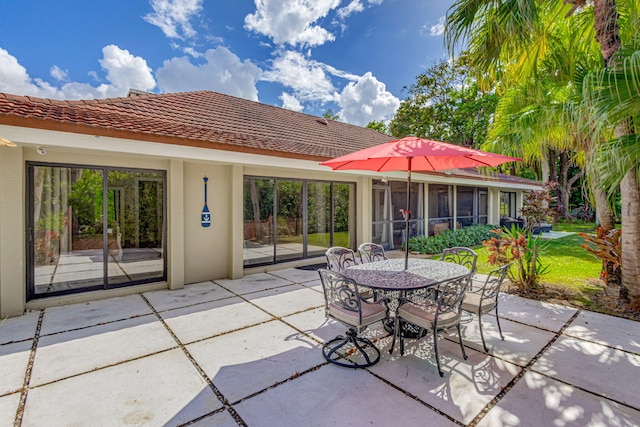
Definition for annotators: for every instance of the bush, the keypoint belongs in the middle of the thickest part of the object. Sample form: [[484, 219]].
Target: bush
[[467, 236], [522, 248]]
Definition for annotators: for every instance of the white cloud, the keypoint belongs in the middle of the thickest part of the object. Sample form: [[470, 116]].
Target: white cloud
[[124, 71], [353, 7], [438, 29], [376, 2], [58, 73], [290, 102], [307, 78], [366, 100], [291, 21], [15, 79], [222, 72], [173, 17]]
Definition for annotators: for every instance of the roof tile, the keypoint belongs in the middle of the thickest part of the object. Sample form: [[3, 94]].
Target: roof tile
[[191, 118]]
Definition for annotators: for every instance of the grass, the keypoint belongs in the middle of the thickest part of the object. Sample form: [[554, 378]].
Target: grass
[[568, 263], [570, 267], [320, 239]]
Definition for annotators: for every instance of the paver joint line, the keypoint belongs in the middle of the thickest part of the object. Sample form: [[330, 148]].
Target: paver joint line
[[520, 374], [196, 365], [27, 375]]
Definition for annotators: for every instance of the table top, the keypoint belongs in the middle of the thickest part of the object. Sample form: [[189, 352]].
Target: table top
[[391, 275]]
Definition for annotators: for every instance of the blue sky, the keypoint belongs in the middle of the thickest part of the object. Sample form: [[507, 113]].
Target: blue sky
[[351, 56]]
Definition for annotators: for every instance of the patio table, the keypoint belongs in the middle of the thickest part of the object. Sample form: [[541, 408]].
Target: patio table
[[389, 278]]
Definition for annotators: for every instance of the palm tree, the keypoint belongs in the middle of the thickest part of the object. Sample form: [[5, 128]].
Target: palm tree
[[507, 32], [614, 97]]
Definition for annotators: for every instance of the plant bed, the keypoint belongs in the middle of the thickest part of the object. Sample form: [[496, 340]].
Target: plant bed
[[597, 297]]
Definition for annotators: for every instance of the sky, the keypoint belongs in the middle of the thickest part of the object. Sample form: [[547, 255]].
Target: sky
[[354, 57]]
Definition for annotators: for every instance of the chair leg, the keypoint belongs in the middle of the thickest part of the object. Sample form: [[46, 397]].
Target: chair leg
[[498, 321], [329, 349], [395, 333], [400, 331], [435, 347], [464, 354], [481, 334]]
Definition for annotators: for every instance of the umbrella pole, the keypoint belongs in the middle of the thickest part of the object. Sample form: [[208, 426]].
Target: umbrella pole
[[407, 218]]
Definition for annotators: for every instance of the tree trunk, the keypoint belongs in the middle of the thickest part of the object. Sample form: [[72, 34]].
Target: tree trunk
[[553, 173], [544, 165], [630, 192], [562, 205], [603, 207], [608, 36]]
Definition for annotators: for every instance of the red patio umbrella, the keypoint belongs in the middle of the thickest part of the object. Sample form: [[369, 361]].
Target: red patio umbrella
[[418, 155]]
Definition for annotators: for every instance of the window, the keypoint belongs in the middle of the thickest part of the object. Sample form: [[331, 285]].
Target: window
[[440, 208], [288, 219], [472, 206], [93, 228], [389, 199], [507, 204]]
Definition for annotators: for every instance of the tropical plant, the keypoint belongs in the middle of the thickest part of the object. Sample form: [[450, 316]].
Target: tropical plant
[[521, 248], [502, 35], [606, 246], [538, 207]]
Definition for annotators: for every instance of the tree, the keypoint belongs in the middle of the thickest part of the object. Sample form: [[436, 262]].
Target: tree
[[379, 126], [511, 31], [330, 116], [445, 104]]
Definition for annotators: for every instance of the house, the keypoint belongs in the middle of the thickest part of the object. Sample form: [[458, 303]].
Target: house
[[117, 196]]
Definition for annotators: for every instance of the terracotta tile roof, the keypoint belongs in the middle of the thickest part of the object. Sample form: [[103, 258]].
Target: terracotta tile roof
[[479, 174], [204, 119]]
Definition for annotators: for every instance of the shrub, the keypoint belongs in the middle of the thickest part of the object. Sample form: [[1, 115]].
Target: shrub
[[521, 248], [538, 207], [468, 236], [606, 245]]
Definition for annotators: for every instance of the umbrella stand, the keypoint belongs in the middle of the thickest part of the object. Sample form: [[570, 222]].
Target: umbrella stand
[[407, 217]]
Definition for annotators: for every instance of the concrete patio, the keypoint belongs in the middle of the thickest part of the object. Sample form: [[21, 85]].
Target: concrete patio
[[247, 352]]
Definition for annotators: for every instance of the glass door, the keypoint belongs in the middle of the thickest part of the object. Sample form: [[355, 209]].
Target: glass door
[[93, 228]]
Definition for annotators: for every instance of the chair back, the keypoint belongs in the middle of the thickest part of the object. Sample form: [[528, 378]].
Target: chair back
[[462, 256], [370, 252], [340, 294], [339, 258], [449, 296], [491, 287]]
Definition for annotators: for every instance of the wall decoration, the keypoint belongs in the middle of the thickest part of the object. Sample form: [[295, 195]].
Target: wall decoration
[[206, 215]]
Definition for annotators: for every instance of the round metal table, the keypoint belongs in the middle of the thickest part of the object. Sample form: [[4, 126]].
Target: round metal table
[[391, 279]]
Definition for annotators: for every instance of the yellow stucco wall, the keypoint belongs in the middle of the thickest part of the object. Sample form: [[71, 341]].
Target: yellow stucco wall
[[12, 259], [206, 250], [194, 253]]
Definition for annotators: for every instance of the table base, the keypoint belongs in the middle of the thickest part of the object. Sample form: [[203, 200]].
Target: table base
[[408, 330]]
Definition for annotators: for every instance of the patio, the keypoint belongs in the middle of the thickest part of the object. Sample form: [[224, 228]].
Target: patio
[[247, 352]]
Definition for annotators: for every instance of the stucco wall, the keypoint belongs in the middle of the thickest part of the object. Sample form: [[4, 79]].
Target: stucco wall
[[12, 259], [206, 250]]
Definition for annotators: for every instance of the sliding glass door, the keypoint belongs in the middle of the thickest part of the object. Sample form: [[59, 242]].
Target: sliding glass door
[[287, 219], [93, 228]]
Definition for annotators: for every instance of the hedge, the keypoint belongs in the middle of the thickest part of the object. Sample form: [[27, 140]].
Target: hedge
[[469, 236]]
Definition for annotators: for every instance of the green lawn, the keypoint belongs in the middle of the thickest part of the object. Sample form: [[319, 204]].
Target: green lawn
[[569, 264], [321, 239]]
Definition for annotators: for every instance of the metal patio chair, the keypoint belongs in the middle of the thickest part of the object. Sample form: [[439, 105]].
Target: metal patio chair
[[370, 252], [344, 304], [339, 258], [485, 298], [438, 315], [462, 256]]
